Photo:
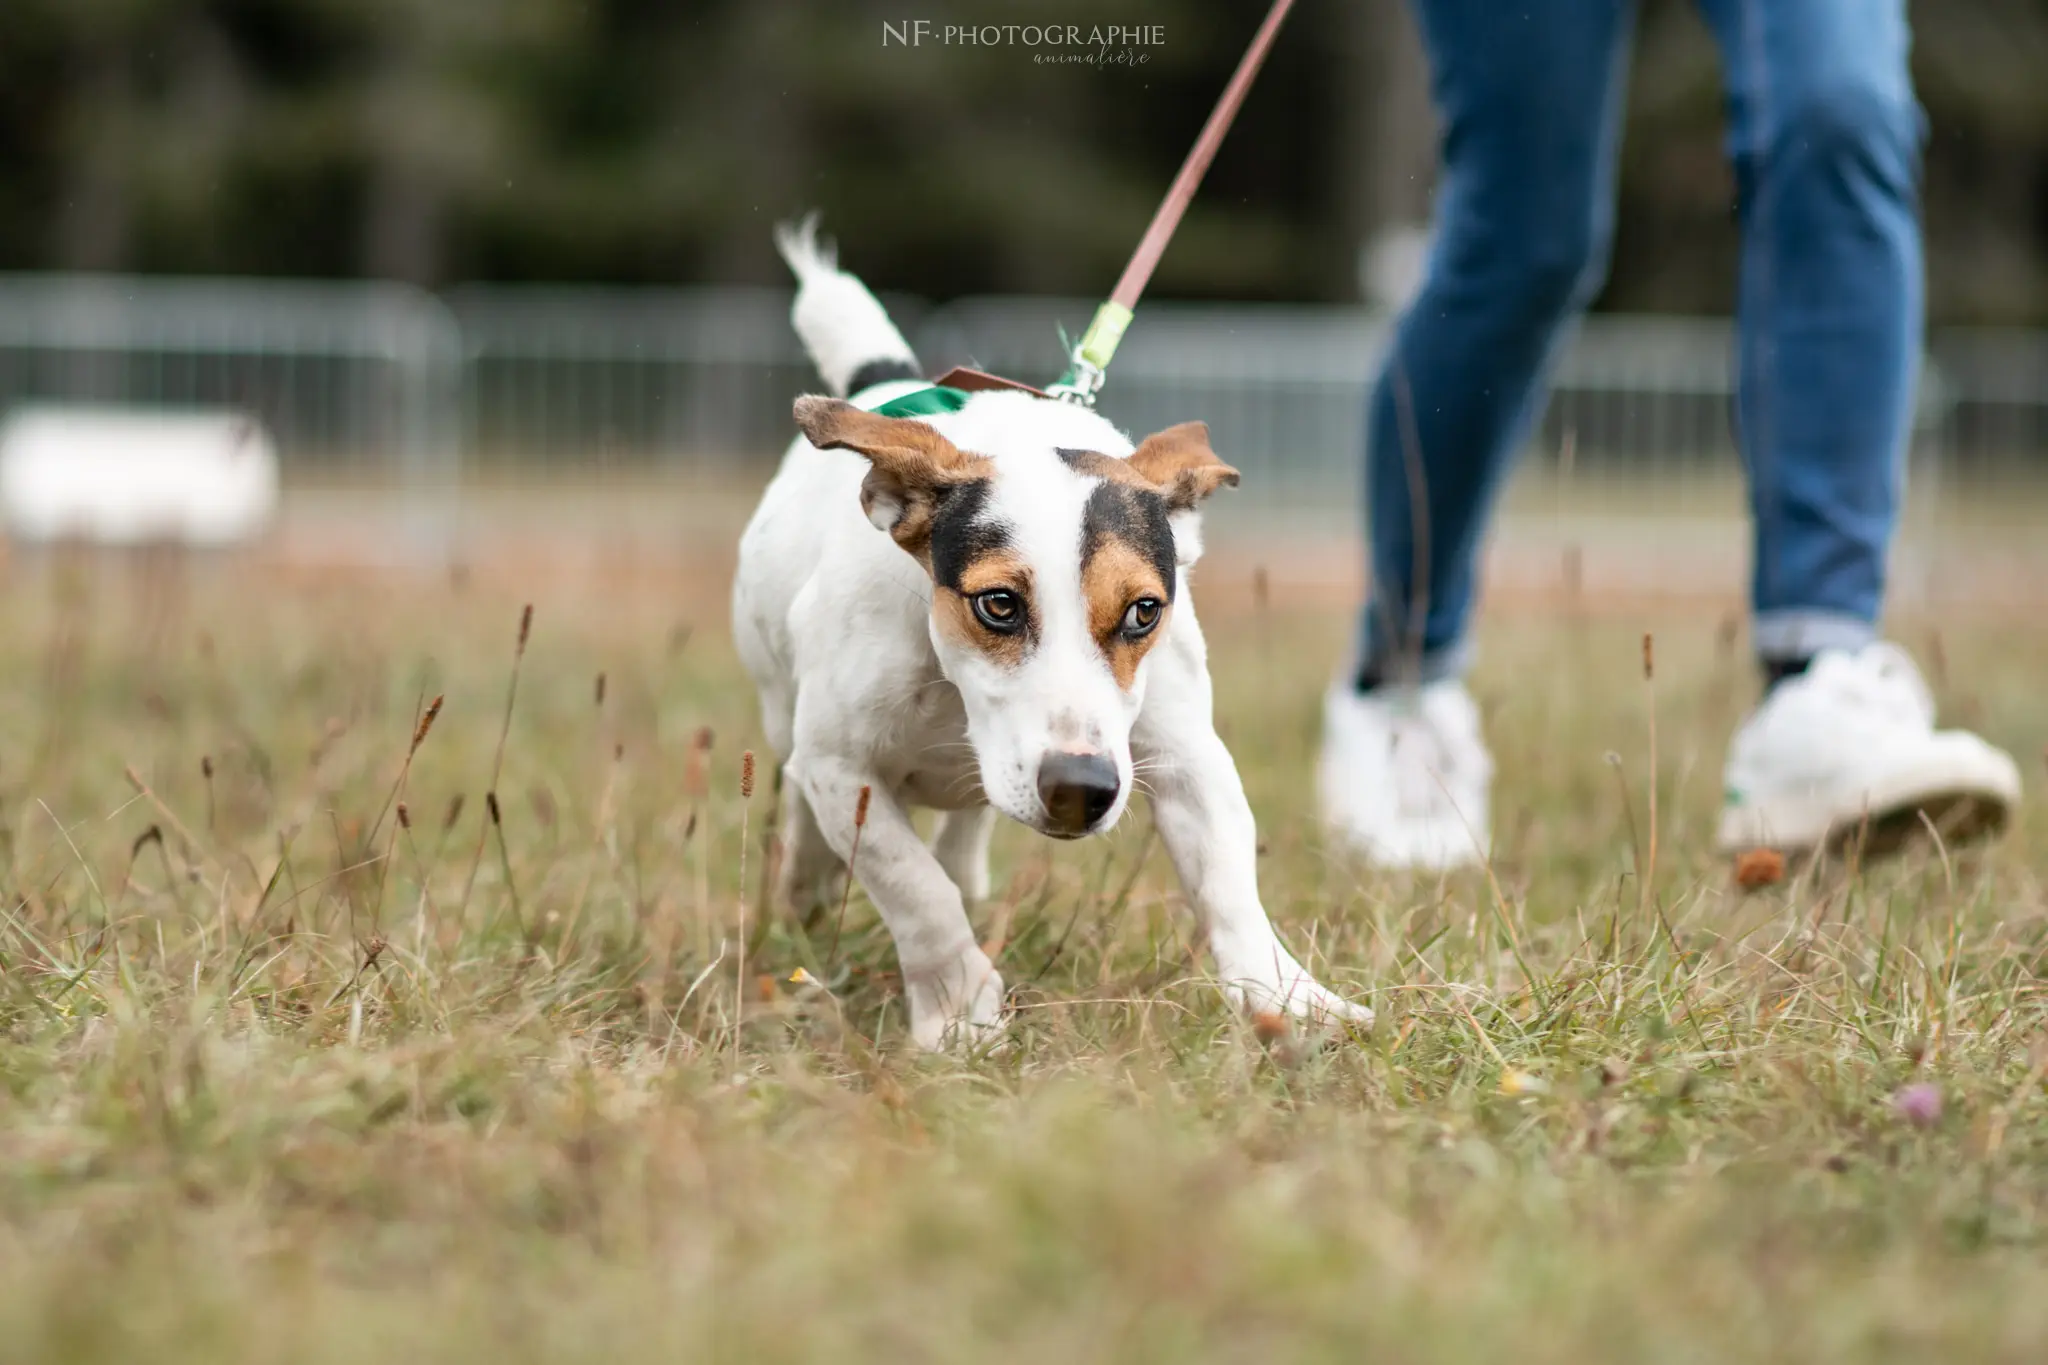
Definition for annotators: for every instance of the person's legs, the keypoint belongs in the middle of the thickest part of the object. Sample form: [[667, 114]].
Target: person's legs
[[1825, 137], [1530, 99], [1824, 134]]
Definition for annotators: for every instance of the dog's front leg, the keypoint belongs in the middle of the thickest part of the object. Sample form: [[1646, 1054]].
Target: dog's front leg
[[954, 992], [1206, 823], [961, 846]]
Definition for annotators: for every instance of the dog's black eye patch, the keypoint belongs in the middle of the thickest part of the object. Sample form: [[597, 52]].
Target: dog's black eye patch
[[960, 535], [1137, 517]]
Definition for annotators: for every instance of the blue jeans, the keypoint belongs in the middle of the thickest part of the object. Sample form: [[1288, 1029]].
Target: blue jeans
[[1824, 134]]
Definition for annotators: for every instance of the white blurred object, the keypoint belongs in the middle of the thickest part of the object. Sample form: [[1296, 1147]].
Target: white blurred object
[[136, 476], [1391, 266]]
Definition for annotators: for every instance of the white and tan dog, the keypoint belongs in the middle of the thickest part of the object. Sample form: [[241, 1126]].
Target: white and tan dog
[[982, 610]]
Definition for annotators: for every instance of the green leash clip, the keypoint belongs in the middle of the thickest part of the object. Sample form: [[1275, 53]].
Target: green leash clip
[[1090, 362]]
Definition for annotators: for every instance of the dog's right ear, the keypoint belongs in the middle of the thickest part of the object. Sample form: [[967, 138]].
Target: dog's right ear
[[912, 465], [1180, 462]]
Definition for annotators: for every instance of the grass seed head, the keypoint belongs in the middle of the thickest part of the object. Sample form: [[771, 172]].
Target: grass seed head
[[491, 806], [860, 807], [404, 816], [206, 766], [1649, 656], [525, 627], [747, 775], [454, 813], [600, 688], [419, 734], [695, 780]]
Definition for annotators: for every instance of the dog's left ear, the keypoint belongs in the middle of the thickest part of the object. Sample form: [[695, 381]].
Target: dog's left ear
[[911, 464], [1181, 463]]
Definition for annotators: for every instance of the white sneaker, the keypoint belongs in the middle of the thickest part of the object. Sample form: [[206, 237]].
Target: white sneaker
[[1404, 775], [1849, 744]]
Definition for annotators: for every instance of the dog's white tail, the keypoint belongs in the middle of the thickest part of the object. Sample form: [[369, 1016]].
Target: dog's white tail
[[843, 326]]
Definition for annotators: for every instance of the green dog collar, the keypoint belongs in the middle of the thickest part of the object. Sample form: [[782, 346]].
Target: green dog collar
[[924, 402]]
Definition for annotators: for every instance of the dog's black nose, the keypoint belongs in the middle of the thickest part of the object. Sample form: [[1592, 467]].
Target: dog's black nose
[[1077, 789]]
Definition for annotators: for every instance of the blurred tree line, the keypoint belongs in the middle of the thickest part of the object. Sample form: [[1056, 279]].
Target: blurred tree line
[[656, 140]]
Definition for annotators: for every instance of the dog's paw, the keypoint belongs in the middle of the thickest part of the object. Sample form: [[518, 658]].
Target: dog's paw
[[1274, 983], [958, 1005]]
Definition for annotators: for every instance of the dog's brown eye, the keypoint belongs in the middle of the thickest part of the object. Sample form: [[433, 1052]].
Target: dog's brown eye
[[999, 609], [1141, 616]]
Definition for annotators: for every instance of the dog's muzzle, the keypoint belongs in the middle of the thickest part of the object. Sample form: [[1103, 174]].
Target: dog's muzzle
[[1077, 790]]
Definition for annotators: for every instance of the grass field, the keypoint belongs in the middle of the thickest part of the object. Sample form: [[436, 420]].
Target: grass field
[[286, 1077]]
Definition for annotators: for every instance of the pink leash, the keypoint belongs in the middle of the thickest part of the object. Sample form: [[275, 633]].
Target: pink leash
[[1090, 361]]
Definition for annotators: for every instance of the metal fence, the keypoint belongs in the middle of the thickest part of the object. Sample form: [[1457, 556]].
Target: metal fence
[[600, 377], [353, 375], [1997, 398], [382, 382]]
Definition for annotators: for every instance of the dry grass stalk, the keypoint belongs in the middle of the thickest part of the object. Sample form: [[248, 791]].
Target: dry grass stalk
[[420, 730], [860, 822], [498, 756], [496, 825], [206, 775], [170, 816], [697, 786], [739, 1002], [1649, 871]]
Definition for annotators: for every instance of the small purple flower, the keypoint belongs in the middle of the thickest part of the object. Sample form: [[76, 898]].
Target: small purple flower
[[1918, 1104]]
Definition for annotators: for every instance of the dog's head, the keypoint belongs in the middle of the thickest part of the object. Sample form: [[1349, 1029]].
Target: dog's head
[[1054, 572]]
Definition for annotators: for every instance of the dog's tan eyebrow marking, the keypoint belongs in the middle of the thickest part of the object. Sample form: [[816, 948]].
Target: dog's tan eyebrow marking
[[1114, 577], [953, 608]]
